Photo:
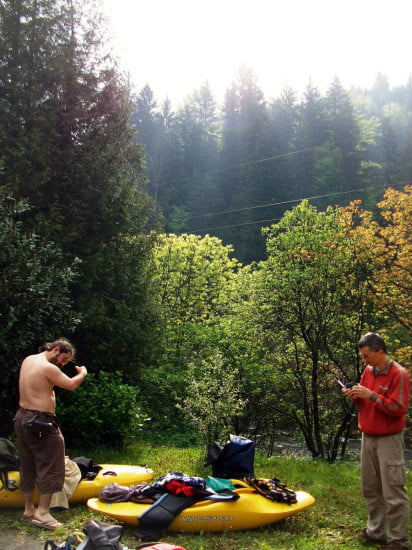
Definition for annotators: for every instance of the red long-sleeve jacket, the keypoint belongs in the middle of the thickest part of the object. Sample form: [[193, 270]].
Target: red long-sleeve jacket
[[385, 412]]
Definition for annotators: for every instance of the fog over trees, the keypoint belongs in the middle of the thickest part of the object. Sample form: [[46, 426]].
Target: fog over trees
[[231, 169]]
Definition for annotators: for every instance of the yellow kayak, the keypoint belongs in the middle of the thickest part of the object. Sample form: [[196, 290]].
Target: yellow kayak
[[250, 511], [123, 474]]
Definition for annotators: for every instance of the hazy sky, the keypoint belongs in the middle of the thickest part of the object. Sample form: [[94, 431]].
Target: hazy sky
[[176, 45]]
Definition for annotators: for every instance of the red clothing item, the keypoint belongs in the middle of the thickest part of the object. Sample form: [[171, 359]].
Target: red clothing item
[[385, 412], [178, 488]]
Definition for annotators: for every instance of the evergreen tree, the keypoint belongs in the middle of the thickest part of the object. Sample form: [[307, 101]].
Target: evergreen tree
[[381, 94], [284, 117], [339, 161], [68, 147], [244, 178], [149, 123], [199, 136], [311, 134]]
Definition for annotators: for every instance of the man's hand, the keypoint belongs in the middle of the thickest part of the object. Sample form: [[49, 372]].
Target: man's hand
[[359, 392], [81, 370]]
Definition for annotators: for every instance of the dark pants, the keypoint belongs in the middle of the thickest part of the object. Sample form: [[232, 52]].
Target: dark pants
[[41, 458]]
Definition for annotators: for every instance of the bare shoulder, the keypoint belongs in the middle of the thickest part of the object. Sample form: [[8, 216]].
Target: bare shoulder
[[51, 371]]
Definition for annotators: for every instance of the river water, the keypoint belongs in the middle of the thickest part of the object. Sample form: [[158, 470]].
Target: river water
[[291, 446]]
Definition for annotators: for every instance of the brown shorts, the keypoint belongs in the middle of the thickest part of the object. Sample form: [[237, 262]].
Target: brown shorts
[[41, 458]]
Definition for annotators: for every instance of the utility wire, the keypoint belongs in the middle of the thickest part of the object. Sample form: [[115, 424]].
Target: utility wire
[[282, 155], [294, 200], [280, 203], [276, 203], [258, 161], [236, 225]]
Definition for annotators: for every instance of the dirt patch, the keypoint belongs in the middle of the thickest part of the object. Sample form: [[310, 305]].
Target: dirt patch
[[13, 540]]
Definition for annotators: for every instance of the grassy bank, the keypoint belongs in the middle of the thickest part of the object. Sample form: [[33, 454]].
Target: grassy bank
[[332, 522]]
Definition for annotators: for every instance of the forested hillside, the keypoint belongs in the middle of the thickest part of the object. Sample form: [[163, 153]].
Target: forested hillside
[[231, 169]]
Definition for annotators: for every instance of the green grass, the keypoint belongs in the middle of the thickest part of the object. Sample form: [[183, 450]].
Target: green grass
[[332, 522]]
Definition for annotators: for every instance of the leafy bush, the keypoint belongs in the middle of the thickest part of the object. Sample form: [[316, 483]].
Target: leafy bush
[[213, 401], [35, 304], [103, 411]]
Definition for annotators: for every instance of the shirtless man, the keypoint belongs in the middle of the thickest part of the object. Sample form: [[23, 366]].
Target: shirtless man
[[42, 457]]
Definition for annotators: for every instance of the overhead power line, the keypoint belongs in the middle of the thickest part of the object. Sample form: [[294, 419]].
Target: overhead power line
[[236, 225], [400, 184], [259, 161], [276, 203], [294, 200]]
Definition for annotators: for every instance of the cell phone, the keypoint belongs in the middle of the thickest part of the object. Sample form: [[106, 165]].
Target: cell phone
[[348, 385]]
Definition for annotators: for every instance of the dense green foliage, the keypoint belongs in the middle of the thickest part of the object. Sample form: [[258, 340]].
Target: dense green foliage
[[34, 298], [68, 149], [310, 312], [102, 412], [266, 356], [190, 275], [212, 345]]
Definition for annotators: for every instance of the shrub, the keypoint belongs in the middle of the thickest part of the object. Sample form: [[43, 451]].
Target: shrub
[[103, 411]]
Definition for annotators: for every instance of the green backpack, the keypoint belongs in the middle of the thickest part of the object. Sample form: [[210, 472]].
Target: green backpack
[[9, 461]]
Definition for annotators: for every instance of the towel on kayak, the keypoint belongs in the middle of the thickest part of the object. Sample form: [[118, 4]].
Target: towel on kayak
[[72, 477]]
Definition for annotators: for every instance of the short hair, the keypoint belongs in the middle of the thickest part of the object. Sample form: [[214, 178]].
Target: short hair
[[64, 345], [373, 341]]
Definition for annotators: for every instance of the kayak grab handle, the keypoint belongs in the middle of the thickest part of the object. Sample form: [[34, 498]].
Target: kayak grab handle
[[240, 483]]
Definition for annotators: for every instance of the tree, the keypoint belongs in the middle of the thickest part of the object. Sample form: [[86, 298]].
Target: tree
[[34, 299], [65, 134], [67, 146], [339, 162], [311, 315], [189, 278], [311, 134], [393, 287], [284, 113], [213, 400], [243, 178], [149, 124], [388, 269], [381, 92]]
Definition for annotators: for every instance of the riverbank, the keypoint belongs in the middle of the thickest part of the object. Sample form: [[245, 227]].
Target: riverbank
[[291, 446]]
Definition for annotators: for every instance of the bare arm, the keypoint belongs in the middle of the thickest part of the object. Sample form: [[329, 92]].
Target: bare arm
[[57, 378]]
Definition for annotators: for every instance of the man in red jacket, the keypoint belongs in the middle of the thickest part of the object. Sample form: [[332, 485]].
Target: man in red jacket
[[382, 397]]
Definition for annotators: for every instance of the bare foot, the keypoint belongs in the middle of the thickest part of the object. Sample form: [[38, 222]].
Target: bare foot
[[28, 513]]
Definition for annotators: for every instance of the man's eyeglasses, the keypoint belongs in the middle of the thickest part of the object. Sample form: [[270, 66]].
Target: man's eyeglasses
[[367, 355], [65, 359]]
